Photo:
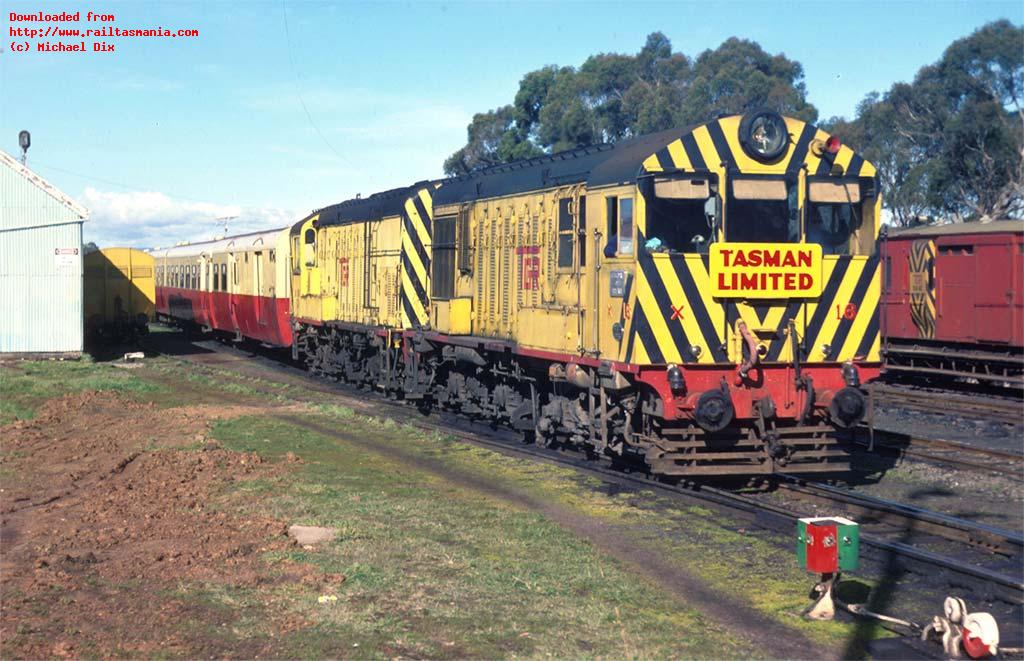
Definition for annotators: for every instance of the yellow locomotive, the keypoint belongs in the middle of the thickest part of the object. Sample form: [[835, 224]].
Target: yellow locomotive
[[703, 300]]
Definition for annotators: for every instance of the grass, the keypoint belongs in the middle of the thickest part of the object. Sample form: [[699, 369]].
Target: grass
[[435, 569], [25, 385], [691, 536]]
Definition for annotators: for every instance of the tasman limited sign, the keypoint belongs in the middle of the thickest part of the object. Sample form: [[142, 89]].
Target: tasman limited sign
[[765, 270]]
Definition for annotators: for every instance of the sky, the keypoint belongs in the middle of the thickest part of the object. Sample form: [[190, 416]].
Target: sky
[[284, 106]]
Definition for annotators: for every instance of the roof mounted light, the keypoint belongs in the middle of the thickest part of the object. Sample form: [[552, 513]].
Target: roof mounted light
[[763, 134], [833, 144]]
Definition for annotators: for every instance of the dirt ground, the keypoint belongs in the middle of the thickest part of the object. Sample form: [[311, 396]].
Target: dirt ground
[[100, 509]]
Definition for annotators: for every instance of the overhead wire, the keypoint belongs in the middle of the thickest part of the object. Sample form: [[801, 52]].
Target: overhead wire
[[298, 91], [136, 189]]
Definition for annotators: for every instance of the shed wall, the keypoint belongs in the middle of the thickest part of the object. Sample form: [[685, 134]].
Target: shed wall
[[41, 296]]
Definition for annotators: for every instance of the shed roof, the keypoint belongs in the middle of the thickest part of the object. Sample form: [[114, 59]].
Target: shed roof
[[13, 213]]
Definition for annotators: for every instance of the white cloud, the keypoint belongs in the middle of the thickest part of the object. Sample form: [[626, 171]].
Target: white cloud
[[151, 219]]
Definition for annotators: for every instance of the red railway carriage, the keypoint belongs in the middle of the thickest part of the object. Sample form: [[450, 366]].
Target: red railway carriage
[[953, 304], [237, 284]]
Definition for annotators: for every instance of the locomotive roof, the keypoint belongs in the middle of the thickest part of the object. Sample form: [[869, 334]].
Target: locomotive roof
[[596, 165], [376, 206], [953, 229]]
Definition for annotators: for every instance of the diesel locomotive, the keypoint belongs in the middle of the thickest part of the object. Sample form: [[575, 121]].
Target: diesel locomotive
[[703, 301]]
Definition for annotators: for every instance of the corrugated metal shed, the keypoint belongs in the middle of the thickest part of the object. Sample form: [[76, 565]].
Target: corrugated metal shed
[[40, 264]]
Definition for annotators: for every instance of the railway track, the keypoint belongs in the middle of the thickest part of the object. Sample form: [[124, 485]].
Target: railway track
[[1006, 410], [949, 453], [985, 558]]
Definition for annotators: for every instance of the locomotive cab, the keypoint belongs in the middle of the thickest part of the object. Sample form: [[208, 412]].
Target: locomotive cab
[[757, 294]]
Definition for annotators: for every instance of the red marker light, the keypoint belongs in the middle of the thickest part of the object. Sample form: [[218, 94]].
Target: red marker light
[[833, 144]]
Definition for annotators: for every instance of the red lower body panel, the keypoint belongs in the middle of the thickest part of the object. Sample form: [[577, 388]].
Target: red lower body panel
[[257, 317]]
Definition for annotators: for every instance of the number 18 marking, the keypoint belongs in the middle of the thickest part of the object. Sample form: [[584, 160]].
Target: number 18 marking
[[849, 313]]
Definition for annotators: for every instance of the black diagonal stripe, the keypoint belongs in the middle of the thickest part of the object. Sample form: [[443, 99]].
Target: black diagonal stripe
[[780, 340], [800, 152], [824, 166], [424, 216], [646, 337], [665, 159], [664, 303], [732, 312], [409, 312], [856, 162], [693, 152], [421, 292], [417, 245], [700, 314], [825, 301], [721, 145], [762, 310], [861, 288], [869, 335]]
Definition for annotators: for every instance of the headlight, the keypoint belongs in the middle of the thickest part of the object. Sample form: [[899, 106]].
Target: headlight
[[764, 135]]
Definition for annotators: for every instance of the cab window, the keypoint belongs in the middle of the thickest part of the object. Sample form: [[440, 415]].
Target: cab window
[[833, 214], [762, 210], [677, 218], [295, 255], [619, 226], [309, 247]]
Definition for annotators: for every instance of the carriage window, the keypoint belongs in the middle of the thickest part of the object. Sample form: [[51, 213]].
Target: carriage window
[[565, 234], [273, 256], [442, 265], [762, 211], [223, 277], [309, 251]]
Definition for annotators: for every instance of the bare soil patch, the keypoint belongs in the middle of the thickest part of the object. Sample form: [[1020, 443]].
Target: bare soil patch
[[105, 504]]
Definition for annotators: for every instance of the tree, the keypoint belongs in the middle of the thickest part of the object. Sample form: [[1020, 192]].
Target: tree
[[739, 76], [612, 97], [951, 142], [493, 137]]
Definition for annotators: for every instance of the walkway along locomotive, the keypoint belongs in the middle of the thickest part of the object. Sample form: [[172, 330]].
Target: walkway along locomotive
[[702, 300]]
